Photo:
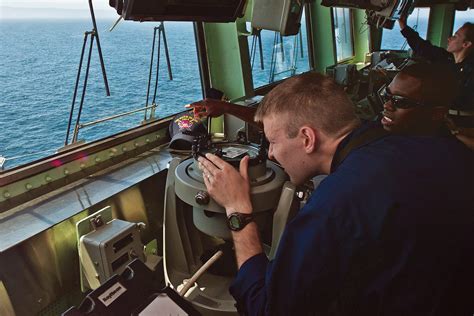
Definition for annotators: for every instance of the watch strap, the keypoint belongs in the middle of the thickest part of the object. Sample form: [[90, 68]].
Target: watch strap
[[242, 218]]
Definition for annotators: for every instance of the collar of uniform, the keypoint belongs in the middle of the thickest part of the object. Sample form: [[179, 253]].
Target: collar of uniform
[[366, 125]]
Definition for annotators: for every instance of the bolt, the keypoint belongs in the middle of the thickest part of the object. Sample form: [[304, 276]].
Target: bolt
[[66, 172], [28, 186], [6, 194], [48, 179]]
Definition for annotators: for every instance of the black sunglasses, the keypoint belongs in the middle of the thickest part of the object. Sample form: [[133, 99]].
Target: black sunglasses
[[397, 100]]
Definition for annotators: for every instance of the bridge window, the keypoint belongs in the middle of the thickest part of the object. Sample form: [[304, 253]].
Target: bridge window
[[274, 57], [462, 17], [342, 18], [418, 20], [39, 64]]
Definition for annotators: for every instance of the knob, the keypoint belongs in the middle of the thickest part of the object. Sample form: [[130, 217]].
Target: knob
[[202, 198]]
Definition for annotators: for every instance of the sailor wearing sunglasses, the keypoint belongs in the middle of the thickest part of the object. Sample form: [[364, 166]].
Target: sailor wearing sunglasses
[[417, 100]]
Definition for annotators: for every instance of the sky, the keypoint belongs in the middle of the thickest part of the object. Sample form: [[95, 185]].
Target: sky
[[62, 4], [26, 9]]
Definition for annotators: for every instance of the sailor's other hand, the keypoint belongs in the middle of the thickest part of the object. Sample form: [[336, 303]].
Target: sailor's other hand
[[402, 21], [208, 107], [227, 186]]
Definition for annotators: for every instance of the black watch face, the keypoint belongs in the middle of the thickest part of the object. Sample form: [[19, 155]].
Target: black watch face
[[234, 222]]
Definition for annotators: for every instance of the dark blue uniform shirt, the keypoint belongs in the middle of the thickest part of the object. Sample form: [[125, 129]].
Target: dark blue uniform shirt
[[383, 234]]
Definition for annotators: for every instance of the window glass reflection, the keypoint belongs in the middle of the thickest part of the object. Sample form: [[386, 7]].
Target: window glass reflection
[[343, 33], [274, 57]]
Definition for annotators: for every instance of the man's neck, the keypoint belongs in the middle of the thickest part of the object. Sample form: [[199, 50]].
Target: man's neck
[[460, 56]]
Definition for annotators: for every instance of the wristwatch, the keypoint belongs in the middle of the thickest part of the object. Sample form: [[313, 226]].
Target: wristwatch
[[237, 221]]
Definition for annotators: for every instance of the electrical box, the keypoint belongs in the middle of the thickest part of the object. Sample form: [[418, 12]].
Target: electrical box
[[283, 16], [107, 248]]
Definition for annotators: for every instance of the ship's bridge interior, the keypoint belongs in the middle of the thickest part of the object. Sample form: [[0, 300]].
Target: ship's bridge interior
[[72, 220]]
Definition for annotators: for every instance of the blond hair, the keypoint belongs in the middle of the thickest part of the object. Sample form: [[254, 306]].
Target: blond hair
[[310, 99]]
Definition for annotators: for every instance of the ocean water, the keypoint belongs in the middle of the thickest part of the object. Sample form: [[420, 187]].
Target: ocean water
[[38, 68]]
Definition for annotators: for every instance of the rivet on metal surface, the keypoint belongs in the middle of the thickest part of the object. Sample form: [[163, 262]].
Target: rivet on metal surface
[[147, 140], [136, 144], [6, 194], [124, 148], [48, 179], [66, 172], [82, 165], [28, 186], [97, 159]]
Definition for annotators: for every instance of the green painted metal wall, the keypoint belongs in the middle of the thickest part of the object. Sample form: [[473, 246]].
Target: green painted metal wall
[[228, 57], [441, 24], [324, 52], [361, 34]]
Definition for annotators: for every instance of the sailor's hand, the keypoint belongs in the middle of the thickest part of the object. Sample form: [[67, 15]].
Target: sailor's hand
[[227, 186], [208, 107], [402, 21]]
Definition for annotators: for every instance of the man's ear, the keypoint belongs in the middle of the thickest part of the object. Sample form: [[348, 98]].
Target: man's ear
[[309, 138], [439, 113], [467, 44]]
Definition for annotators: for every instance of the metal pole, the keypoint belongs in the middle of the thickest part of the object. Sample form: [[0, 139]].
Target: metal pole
[[259, 36], [157, 67], [76, 128], [301, 42], [102, 65], [151, 69], [253, 50], [86, 34], [167, 54]]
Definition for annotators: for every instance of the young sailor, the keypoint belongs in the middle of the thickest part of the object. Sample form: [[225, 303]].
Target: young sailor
[[383, 234]]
